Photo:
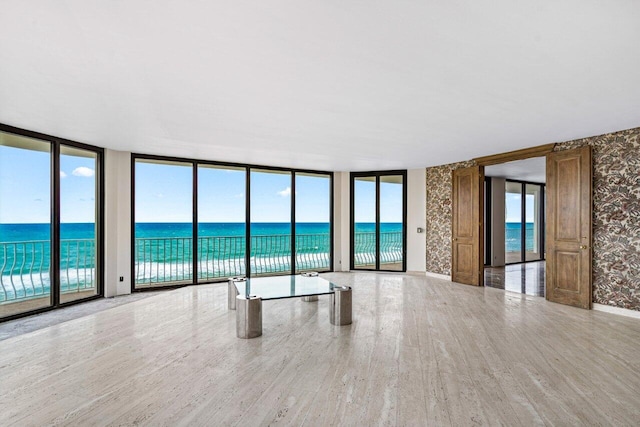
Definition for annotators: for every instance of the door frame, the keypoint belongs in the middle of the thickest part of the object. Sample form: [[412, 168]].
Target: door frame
[[494, 159]]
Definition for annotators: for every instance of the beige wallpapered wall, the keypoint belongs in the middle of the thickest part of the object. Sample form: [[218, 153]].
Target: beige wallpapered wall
[[616, 217]]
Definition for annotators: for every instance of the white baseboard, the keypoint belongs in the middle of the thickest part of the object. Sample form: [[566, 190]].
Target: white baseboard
[[438, 276], [616, 310]]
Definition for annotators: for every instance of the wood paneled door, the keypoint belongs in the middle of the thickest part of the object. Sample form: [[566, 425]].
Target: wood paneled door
[[568, 231], [466, 251]]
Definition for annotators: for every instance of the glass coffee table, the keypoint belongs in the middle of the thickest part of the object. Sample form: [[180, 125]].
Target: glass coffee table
[[246, 296]]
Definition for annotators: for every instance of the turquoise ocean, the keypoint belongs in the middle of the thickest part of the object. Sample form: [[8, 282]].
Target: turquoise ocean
[[513, 236], [311, 238]]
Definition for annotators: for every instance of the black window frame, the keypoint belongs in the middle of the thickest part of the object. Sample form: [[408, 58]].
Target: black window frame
[[377, 175], [248, 168], [523, 221], [56, 143]]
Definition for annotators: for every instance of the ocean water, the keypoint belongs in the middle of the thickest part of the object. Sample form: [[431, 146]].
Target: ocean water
[[513, 237], [164, 250]]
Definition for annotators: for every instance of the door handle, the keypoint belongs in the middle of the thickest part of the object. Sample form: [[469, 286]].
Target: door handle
[[584, 247]]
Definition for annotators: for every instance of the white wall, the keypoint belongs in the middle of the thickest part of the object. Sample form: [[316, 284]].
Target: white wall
[[117, 223], [416, 218], [497, 221], [341, 221]]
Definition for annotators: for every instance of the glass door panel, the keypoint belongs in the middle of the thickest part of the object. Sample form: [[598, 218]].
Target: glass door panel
[[391, 222], [365, 241], [163, 252], [270, 222], [78, 224], [533, 241], [25, 224], [513, 222], [313, 222], [221, 222]]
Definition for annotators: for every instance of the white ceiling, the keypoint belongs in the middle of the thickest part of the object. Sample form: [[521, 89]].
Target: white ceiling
[[531, 170], [332, 85]]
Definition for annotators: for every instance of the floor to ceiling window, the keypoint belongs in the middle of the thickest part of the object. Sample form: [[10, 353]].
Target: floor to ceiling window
[[513, 222], [270, 222], [378, 212], [313, 222], [524, 222], [244, 216], [221, 222], [365, 235], [78, 223], [534, 221], [163, 229], [50, 222]]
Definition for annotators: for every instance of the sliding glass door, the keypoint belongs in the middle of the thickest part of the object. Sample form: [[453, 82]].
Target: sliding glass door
[[524, 222], [378, 217], [534, 220], [365, 224], [78, 224], [25, 224], [50, 229]]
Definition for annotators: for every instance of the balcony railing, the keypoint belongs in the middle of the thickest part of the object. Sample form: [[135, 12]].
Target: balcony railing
[[391, 248], [165, 260], [25, 267]]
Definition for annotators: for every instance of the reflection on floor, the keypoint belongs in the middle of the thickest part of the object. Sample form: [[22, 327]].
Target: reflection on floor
[[527, 278]]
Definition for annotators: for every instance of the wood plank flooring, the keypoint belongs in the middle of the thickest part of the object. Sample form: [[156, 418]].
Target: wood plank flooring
[[421, 351]]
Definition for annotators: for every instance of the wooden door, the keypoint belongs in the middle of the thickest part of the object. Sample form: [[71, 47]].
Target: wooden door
[[568, 231], [466, 249]]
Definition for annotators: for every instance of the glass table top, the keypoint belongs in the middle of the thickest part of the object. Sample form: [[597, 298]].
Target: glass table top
[[285, 286]]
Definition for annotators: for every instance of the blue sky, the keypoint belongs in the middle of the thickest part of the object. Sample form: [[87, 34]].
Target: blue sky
[[365, 201], [513, 206], [25, 187], [163, 194]]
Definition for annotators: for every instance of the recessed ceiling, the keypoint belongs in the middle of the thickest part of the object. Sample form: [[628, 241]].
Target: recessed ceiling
[[530, 170], [324, 85]]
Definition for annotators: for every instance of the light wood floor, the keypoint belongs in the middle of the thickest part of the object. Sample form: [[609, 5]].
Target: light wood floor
[[421, 351]]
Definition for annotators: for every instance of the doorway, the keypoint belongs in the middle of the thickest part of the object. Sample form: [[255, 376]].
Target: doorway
[[514, 214], [378, 221], [568, 213]]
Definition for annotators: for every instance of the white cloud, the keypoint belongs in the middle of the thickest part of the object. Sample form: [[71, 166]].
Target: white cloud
[[239, 196], [285, 193], [160, 196], [63, 174], [83, 171]]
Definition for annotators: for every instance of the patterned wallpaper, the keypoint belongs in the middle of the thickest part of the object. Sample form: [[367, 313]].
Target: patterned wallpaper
[[438, 232], [616, 217]]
